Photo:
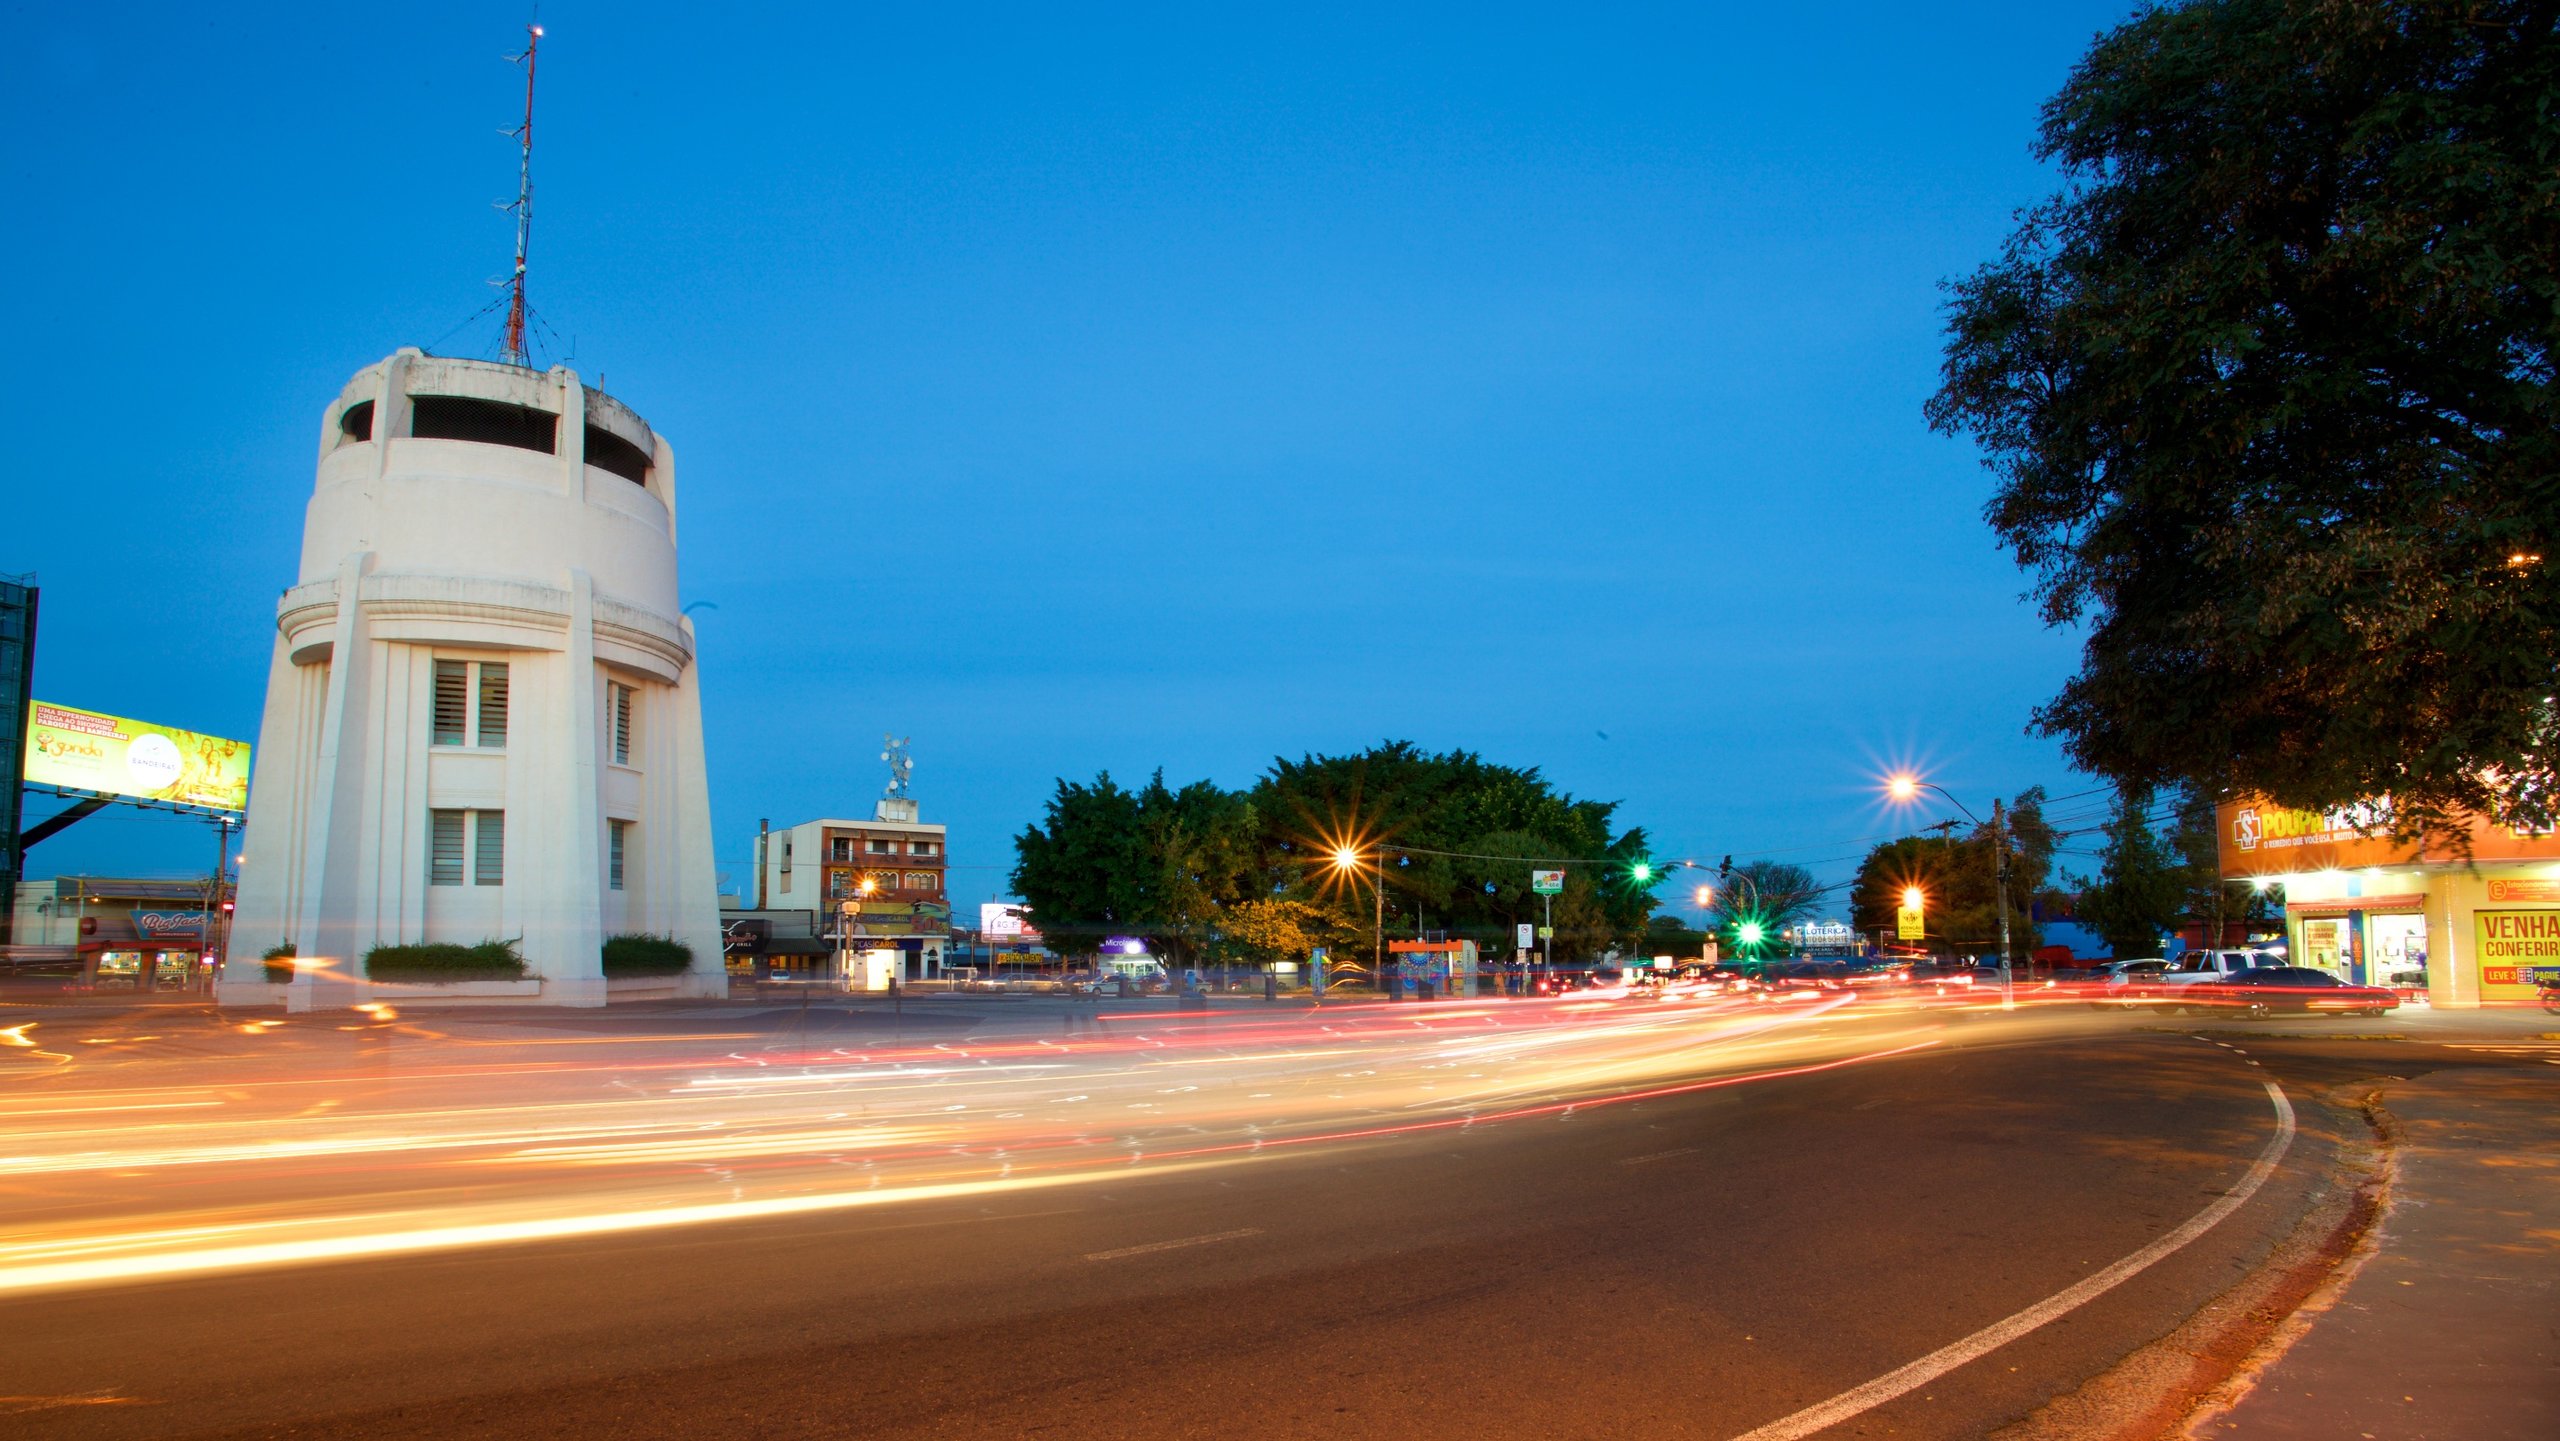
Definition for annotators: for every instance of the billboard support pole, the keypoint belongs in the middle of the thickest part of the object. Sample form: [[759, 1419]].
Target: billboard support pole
[[55, 824]]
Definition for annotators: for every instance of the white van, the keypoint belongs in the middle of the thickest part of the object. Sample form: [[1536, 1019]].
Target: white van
[[2194, 966]]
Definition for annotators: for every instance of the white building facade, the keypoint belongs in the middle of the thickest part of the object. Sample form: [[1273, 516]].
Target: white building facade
[[483, 718]]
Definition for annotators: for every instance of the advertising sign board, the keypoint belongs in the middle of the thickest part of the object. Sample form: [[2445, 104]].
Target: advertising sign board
[[2516, 950], [86, 751], [2261, 838], [1547, 883], [1907, 923], [998, 918], [169, 925]]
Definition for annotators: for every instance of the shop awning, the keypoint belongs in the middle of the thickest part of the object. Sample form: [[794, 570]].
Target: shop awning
[[799, 946], [2343, 904]]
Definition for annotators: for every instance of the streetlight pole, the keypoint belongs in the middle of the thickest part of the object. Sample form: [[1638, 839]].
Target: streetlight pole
[[1905, 787], [1378, 935]]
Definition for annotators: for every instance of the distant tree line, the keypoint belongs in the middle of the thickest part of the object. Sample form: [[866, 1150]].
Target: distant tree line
[[2157, 870], [1446, 842]]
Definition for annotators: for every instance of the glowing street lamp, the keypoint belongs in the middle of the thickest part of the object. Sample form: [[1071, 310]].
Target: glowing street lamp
[[1905, 787], [1347, 861]]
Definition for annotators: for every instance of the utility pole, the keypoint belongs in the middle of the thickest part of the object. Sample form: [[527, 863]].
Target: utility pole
[[1378, 937], [2000, 876]]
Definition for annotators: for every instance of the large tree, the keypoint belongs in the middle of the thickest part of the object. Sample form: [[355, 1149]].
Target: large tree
[[1460, 836], [1205, 872], [1958, 874], [2141, 887], [2268, 387], [1154, 863]]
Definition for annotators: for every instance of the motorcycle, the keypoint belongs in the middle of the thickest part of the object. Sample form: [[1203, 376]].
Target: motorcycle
[[2551, 996]]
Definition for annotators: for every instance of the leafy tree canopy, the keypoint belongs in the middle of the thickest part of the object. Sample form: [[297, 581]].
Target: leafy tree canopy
[[1202, 871], [2268, 389], [1955, 871]]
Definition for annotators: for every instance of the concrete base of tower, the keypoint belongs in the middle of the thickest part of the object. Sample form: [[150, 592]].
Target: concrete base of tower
[[238, 995], [699, 986], [313, 991]]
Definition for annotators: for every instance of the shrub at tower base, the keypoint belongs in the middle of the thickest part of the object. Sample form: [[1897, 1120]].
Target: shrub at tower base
[[635, 955], [444, 961]]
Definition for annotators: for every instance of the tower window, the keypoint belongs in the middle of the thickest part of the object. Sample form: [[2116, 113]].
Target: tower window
[[489, 422], [452, 705], [453, 700], [617, 836], [355, 423], [444, 847], [621, 696], [493, 703], [489, 848], [614, 455]]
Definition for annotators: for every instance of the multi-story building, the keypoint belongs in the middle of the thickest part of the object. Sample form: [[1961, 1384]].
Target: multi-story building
[[877, 884]]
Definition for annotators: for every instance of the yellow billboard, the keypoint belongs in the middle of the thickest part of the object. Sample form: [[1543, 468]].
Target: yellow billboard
[[2517, 950], [85, 751]]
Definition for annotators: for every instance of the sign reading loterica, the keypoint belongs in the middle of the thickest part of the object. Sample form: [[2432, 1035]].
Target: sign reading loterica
[[86, 751]]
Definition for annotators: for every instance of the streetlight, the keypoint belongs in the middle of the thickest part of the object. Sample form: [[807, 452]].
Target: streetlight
[[1906, 787], [1346, 860]]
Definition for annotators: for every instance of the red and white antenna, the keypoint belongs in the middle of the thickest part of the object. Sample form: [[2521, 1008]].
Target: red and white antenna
[[523, 208]]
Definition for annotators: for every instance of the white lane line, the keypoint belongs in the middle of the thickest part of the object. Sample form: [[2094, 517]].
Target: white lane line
[[1153, 1246], [2000, 1333], [1659, 1156]]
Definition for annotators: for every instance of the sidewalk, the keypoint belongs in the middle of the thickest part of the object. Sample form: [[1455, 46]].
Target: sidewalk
[[2451, 1331]]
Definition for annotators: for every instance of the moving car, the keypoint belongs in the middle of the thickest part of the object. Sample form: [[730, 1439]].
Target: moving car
[[2266, 990]]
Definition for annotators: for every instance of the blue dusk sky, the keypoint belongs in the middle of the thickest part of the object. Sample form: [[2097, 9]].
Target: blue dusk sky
[[1078, 389]]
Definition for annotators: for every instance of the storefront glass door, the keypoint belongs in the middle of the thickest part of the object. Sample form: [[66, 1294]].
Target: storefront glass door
[[2399, 951]]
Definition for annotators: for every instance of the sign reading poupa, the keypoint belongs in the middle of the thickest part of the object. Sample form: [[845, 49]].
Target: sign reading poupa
[[86, 751]]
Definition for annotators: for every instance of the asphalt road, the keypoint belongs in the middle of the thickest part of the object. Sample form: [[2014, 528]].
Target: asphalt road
[[1697, 1264]]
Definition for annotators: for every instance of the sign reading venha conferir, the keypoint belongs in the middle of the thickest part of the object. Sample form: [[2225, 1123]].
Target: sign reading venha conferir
[[2516, 950]]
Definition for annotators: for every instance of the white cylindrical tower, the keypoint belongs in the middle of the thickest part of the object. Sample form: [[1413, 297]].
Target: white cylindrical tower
[[482, 717]]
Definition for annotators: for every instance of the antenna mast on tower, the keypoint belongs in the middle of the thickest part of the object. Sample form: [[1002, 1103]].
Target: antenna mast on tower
[[523, 208]]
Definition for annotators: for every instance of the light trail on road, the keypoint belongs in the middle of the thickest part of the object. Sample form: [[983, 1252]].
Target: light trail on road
[[116, 1169]]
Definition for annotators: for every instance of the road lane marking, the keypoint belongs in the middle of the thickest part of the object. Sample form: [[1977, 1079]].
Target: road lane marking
[[1154, 1246], [1660, 1156], [2000, 1333]]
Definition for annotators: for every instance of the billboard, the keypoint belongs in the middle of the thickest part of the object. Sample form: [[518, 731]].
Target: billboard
[[997, 918], [2260, 838], [2517, 951], [85, 751]]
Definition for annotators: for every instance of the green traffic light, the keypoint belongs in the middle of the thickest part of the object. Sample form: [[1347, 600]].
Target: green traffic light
[[1643, 872], [1750, 933]]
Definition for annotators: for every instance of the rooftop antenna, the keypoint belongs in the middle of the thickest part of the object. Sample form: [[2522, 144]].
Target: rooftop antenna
[[523, 208], [901, 766]]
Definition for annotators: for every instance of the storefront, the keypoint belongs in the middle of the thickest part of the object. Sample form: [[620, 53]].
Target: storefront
[[2470, 930]]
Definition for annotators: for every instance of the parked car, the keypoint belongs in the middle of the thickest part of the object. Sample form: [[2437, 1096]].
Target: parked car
[[2126, 983], [2216, 965], [2265, 990]]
